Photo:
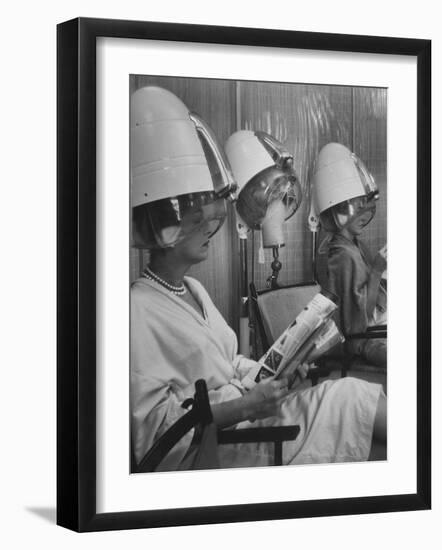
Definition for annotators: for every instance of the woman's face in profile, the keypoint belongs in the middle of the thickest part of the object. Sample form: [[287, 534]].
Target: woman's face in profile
[[357, 225], [193, 247], [198, 226]]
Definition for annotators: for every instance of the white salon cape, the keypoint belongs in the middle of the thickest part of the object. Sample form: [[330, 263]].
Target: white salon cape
[[172, 346]]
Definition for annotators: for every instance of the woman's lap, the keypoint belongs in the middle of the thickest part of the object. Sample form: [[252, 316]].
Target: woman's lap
[[336, 419]]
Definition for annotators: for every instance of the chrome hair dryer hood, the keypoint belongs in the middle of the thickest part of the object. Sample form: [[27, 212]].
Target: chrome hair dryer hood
[[269, 189]]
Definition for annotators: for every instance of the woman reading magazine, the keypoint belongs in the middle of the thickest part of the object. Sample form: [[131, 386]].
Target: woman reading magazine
[[177, 334]]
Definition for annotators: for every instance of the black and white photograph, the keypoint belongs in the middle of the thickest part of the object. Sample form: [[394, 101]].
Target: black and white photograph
[[258, 271]]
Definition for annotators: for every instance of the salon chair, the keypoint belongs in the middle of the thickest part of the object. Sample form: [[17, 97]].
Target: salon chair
[[207, 436], [275, 309], [360, 367]]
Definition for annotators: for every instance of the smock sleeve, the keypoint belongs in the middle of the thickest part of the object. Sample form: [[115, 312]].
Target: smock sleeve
[[246, 370]]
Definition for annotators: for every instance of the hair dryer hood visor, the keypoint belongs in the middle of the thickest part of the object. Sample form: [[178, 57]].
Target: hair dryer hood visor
[[167, 222], [263, 169]]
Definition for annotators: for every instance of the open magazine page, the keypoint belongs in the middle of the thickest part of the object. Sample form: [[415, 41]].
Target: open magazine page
[[311, 334]]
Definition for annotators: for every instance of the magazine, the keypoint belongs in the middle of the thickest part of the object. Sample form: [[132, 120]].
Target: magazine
[[309, 336]]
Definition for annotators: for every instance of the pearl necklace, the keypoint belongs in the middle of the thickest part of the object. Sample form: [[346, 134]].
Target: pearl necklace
[[177, 290]]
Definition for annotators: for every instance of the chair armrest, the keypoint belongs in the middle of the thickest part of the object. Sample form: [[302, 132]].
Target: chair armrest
[[199, 417], [379, 331], [250, 435], [273, 434]]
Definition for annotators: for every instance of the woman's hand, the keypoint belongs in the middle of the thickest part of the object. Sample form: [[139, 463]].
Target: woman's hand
[[303, 369], [380, 260], [265, 399], [262, 401]]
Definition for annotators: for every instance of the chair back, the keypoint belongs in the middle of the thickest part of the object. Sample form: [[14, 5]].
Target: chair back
[[277, 308]]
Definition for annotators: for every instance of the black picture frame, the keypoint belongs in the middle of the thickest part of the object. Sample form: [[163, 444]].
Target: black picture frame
[[76, 273]]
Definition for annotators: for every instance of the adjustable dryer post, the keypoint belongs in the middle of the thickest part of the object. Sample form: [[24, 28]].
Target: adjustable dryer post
[[276, 265]]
